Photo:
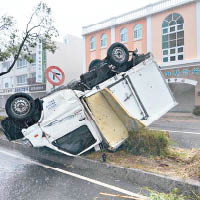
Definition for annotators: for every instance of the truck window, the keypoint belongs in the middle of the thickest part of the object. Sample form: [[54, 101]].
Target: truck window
[[75, 141]]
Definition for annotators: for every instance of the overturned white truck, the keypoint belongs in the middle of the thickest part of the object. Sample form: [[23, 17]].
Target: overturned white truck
[[116, 96]]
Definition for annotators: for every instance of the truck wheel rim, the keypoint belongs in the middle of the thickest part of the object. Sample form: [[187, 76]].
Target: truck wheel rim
[[20, 106], [118, 54]]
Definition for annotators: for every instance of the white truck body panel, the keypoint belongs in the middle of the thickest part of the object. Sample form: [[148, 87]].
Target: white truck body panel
[[148, 96]]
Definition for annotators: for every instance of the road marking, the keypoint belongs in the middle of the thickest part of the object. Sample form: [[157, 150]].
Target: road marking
[[176, 131], [119, 196], [78, 176]]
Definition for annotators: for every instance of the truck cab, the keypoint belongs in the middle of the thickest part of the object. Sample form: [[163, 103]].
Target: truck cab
[[64, 125]]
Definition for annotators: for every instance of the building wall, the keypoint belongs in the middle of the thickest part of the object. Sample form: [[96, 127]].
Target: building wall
[[98, 52], [188, 13], [186, 75], [68, 57], [132, 44], [9, 84], [11, 77]]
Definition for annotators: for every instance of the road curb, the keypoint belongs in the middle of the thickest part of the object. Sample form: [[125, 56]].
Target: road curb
[[157, 182]]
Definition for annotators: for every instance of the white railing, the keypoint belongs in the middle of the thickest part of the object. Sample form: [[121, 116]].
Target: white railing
[[135, 14]]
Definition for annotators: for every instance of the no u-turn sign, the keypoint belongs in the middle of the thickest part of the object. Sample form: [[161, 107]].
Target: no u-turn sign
[[55, 75]]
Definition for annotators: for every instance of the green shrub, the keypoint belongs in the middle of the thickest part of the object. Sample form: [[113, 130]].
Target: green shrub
[[147, 142], [196, 110], [173, 195]]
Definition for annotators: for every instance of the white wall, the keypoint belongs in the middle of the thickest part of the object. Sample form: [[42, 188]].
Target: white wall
[[68, 57]]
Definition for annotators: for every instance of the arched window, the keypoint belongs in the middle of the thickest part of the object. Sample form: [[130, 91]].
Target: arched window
[[137, 32], [103, 40], [92, 43], [123, 35], [173, 38]]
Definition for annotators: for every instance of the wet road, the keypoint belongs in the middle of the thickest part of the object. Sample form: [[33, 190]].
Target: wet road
[[24, 179], [185, 132], [182, 125]]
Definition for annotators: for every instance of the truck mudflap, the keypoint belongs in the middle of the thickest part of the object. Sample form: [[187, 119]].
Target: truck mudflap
[[112, 118]]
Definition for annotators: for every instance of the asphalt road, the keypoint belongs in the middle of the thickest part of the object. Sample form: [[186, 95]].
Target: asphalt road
[[185, 131], [182, 125], [24, 179]]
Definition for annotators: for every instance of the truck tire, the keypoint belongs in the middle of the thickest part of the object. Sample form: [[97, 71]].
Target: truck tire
[[20, 106], [94, 64], [117, 54]]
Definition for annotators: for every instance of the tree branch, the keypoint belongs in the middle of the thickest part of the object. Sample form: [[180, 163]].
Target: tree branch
[[41, 28], [30, 21], [16, 56]]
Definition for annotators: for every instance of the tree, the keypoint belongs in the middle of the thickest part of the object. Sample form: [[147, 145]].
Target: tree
[[16, 44]]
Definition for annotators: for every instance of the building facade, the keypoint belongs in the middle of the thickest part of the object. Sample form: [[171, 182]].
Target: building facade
[[170, 29], [30, 77], [68, 57]]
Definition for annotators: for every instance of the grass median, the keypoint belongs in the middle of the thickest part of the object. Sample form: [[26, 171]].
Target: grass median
[[151, 151]]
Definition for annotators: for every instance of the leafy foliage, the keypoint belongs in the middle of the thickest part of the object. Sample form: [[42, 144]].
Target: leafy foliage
[[196, 110], [16, 44], [147, 142], [173, 195]]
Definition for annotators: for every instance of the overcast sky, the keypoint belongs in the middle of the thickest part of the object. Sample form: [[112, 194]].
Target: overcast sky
[[71, 15]]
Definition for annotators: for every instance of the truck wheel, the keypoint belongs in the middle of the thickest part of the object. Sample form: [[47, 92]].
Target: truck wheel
[[94, 64], [117, 54], [20, 106]]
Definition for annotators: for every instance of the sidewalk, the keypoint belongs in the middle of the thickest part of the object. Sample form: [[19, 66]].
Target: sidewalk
[[179, 115]]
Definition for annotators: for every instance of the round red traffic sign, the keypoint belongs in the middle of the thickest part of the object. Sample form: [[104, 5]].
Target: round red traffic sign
[[55, 75]]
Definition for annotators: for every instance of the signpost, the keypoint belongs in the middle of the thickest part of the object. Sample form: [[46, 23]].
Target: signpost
[[55, 75]]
